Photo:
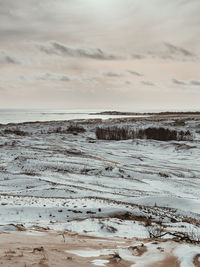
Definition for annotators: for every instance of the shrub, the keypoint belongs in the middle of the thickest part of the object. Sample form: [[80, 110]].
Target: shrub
[[75, 128], [160, 134], [163, 134], [114, 133], [72, 128], [15, 131]]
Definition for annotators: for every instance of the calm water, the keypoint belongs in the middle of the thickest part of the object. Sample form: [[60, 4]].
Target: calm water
[[12, 115]]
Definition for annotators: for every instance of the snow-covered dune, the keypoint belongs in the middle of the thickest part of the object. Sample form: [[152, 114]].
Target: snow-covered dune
[[50, 175]]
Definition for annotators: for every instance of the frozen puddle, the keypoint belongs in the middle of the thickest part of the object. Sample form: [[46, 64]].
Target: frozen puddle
[[100, 262]]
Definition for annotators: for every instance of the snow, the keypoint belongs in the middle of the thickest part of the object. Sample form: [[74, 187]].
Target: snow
[[99, 262], [154, 253], [186, 254], [101, 227], [88, 253], [151, 255], [75, 182]]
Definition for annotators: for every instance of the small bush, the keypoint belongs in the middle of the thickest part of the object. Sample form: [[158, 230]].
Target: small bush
[[109, 228], [154, 231], [75, 128]]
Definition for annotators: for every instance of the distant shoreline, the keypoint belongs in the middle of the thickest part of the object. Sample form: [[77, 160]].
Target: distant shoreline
[[131, 117], [27, 117], [117, 113]]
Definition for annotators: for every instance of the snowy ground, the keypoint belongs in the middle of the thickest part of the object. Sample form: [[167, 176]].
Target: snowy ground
[[58, 180]]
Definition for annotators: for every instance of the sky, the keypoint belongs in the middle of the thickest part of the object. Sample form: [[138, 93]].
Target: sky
[[134, 55]]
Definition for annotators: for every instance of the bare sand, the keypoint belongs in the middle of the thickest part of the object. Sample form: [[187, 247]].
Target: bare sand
[[49, 249]]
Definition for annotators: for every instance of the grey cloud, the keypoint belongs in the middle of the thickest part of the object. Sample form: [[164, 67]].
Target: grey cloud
[[127, 82], [186, 82], [148, 83], [138, 56], [52, 77], [179, 82], [135, 73], [8, 88], [167, 51], [17, 78], [172, 52], [112, 22], [113, 74], [6, 58], [176, 50], [60, 49], [195, 82]]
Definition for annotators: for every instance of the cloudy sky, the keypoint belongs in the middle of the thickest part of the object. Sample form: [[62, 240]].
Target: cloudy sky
[[100, 54]]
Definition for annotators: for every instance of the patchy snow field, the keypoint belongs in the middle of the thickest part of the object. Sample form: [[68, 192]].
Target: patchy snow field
[[70, 181]]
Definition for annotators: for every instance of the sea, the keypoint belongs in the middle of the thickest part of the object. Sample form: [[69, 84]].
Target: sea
[[31, 115]]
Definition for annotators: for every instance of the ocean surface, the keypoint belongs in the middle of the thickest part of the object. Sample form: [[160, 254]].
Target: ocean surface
[[27, 115]]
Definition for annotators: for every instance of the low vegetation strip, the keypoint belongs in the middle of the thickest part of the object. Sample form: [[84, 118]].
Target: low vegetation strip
[[124, 133], [15, 131]]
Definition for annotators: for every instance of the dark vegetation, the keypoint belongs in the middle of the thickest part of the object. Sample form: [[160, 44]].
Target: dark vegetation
[[114, 133], [75, 128], [15, 131], [72, 129], [191, 237], [124, 133]]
